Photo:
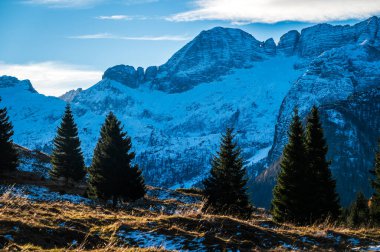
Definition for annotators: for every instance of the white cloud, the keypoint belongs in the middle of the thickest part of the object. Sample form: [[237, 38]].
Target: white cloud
[[53, 78], [94, 36], [115, 17], [64, 3], [122, 17], [83, 3], [272, 11], [142, 38]]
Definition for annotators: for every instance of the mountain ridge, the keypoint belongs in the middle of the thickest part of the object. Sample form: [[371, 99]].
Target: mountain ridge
[[176, 112]]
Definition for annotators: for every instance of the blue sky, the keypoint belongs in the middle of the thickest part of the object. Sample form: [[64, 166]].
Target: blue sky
[[64, 44]]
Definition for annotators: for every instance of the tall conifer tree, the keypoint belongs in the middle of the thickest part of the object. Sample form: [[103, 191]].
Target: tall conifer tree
[[112, 175], [325, 200], [291, 200], [375, 199], [358, 212], [67, 158], [8, 153], [225, 188]]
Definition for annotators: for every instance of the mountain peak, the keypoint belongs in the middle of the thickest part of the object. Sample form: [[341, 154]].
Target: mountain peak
[[10, 81], [209, 55], [70, 95], [215, 52], [125, 74]]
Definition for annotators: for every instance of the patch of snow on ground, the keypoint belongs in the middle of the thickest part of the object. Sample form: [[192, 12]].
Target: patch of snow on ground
[[336, 238], [37, 193], [354, 241], [146, 239], [167, 194], [288, 246], [260, 154], [8, 237], [370, 248]]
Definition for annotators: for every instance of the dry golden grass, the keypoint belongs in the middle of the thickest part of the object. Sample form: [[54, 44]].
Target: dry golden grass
[[53, 226]]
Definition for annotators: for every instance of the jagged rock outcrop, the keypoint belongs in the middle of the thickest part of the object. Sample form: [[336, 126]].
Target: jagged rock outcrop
[[70, 95], [315, 40], [320, 38], [151, 73], [288, 43], [127, 75], [270, 47]]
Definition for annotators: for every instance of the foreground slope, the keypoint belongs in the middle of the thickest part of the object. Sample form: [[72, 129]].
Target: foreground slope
[[163, 221]]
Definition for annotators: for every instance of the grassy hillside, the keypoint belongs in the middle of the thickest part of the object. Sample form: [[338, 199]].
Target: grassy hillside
[[39, 214], [163, 220]]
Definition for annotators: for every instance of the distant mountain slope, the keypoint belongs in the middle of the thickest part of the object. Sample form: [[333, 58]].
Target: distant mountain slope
[[348, 75], [352, 129], [224, 77]]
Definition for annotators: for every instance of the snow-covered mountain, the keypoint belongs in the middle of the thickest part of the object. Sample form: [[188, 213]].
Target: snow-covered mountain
[[224, 77]]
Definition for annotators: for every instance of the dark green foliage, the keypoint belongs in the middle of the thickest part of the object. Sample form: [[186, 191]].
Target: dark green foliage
[[358, 213], [305, 190], [291, 199], [375, 199], [325, 201], [112, 176], [67, 158], [225, 188], [8, 153]]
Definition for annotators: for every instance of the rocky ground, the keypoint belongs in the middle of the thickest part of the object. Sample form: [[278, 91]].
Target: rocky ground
[[40, 217]]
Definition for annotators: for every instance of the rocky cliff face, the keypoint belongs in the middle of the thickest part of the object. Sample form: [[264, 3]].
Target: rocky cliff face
[[334, 77], [225, 77], [352, 128], [315, 40]]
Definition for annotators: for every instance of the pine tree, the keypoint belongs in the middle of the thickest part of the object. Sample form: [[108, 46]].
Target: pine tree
[[8, 153], [291, 202], [375, 199], [67, 158], [112, 175], [325, 201], [225, 188], [359, 212]]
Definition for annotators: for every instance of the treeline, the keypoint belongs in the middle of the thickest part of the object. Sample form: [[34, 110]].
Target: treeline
[[304, 194]]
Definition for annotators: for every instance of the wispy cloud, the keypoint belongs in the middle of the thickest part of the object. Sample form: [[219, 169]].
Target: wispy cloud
[[142, 38], [272, 11], [115, 17], [53, 78], [64, 3], [93, 36], [123, 17], [84, 3]]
